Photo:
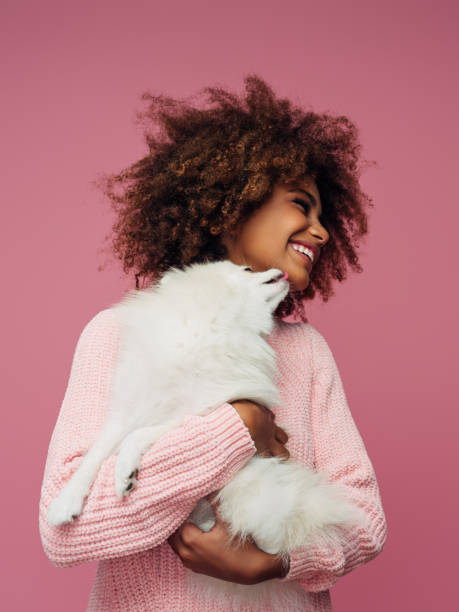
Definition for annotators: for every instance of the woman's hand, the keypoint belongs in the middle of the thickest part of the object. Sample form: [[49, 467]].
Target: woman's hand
[[211, 553], [269, 438]]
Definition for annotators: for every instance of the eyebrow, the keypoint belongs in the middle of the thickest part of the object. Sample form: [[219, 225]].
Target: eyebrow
[[308, 195]]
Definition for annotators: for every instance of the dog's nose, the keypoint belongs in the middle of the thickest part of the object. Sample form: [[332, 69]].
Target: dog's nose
[[278, 277]]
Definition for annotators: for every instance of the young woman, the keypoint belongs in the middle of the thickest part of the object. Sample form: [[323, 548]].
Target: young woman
[[265, 184]]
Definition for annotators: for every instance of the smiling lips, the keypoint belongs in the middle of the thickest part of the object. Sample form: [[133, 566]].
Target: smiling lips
[[304, 256]]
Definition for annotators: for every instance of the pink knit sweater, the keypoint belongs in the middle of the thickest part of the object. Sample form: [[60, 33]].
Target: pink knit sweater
[[138, 570]]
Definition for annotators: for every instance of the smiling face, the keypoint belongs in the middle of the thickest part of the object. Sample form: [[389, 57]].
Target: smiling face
[[265, 239]]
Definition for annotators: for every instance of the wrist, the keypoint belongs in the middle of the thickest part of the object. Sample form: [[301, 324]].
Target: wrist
[[274, 567], [285, 566], [282, 566]]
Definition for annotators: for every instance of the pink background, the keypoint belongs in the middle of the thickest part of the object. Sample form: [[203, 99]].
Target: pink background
[[71, 86]]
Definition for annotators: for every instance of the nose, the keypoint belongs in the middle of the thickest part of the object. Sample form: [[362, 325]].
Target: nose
[[320, 233]]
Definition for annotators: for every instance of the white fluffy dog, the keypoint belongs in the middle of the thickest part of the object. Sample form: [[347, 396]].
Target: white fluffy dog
[[191, 342]]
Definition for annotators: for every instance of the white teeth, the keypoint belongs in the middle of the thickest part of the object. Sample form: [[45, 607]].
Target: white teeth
[[304, 250]]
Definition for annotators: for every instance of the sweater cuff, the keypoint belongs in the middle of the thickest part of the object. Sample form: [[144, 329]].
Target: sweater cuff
[[226, 423], [320, 566]]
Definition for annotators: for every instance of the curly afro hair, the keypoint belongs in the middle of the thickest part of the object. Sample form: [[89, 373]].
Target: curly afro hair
[[208, 169]]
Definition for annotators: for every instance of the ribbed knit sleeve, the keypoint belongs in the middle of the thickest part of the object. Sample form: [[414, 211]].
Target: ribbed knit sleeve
[[341, 454], [184, 465]]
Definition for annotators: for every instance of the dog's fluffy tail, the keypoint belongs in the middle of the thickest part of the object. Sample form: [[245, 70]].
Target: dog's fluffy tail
[[283, 505]]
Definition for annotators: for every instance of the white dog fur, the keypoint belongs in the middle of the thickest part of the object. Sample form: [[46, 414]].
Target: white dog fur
[[191, 342]]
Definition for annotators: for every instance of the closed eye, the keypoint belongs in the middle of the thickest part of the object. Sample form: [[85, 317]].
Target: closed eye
[[306, 206], [303, 203]]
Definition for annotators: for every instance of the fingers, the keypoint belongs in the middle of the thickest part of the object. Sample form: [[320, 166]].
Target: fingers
[[177, 544], [279, 450], [189, 533], [280, 435], [181, 541], [267, 410], [276, 447], [284, 428]]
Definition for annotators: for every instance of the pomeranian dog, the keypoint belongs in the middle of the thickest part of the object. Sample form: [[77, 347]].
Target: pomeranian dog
[[189, 343]]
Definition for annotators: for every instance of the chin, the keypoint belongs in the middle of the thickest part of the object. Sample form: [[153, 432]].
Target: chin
[[299, 285]]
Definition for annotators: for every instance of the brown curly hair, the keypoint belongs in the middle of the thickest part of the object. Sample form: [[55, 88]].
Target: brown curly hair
[[208, 169]]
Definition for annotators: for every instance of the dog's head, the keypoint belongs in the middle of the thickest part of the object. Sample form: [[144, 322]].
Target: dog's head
[[234, 293]]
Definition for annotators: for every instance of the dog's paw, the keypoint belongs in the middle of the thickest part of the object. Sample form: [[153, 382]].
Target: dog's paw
[[65, 508], [125, 477], [124, 484], [203, 515]]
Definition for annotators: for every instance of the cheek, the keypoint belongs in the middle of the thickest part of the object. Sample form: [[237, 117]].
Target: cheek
[[264, 240]]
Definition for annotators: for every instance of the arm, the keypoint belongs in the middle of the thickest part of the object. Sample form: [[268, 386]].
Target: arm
[[341, 454], [183, 465]]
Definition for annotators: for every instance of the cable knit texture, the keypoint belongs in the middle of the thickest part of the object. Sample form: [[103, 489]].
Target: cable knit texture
[[138, 570]]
